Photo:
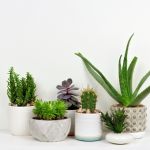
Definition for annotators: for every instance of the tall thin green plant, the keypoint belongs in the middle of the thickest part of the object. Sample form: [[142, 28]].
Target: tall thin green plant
[[127, 96], [21, 91]]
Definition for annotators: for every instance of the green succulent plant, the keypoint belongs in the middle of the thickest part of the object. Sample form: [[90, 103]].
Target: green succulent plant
[[128, 96], [115, 121], [49, 110], [88, 99], [21, 91]]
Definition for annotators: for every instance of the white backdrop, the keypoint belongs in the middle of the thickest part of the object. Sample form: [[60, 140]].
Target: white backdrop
[[41, 36]]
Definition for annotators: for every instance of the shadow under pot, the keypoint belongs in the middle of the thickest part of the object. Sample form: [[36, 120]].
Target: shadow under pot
[[88, 127], [136, 119], [19, 120], [50, 130]]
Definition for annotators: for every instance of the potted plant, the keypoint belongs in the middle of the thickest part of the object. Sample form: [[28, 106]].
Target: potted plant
[[128, 98], [116, 123], [87, 118], [21, 93], [50, 123], [68, 93]]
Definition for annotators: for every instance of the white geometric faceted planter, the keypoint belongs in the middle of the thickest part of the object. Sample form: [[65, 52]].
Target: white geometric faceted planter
[[71, 114], [136, 119], [119, 138], [88, 127], [19, 120], [50, 130]]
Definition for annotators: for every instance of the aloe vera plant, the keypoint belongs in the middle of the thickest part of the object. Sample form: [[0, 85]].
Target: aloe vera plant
[[127, 96]]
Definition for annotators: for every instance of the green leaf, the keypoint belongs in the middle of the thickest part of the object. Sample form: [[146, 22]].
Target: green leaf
[[141, 96], [130, 72], [100, 78], [141, 83], [126, 90]]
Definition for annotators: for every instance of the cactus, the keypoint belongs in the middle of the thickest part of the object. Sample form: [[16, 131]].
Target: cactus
[[88, 100]]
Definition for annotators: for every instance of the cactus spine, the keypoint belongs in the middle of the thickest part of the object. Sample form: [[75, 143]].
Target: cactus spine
[[88, 100]]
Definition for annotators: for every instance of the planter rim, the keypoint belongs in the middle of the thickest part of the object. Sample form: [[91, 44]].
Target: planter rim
[[138, 106], [20, 107], [88, 113], [50, 120]]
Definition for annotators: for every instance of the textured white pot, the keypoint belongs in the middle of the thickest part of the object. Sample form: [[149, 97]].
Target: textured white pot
[[88, 127], [19, 120], [119, 138], [71, 114], [50, 130]]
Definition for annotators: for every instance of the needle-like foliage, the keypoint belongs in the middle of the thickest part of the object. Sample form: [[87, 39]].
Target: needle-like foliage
[[128, 96], [21, 91], [115, 121]]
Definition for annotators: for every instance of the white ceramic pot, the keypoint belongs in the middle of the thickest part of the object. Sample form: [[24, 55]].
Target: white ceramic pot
[[71, 114], [88, 127], [19, 120], [119, 138], [50, 130]]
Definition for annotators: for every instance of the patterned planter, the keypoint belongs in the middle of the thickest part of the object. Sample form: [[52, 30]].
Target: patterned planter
[[50, 130], [136, 119]]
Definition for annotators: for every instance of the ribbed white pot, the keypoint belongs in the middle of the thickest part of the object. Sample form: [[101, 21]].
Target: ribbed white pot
[[119, 138], [88, 127], [71, 114], [50, 130], [19, 120]]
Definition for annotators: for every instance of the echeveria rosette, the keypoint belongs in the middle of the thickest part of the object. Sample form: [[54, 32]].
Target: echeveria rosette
[[68, 95]]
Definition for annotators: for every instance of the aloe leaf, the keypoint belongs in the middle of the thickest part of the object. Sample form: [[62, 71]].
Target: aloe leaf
[[130, 72], [101, 79], [121, 79], [126, 90], [103, 84], [141, 83], [141, 96]]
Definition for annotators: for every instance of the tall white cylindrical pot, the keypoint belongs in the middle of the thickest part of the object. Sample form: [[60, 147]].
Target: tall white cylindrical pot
[[19, 120], [71, 114], [88, 127]]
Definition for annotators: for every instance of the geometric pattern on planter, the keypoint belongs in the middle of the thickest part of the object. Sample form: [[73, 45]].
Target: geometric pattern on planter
[[50, 131], [136, 117]]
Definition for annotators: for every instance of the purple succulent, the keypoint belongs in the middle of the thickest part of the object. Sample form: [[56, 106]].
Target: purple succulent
[[67, 93]]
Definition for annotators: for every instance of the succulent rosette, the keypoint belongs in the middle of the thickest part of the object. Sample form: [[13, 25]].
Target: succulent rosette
[[68, 93]]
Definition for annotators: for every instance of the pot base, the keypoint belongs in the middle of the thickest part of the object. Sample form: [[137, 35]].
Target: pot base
[[138, 135], [85, 139], [120, 139]]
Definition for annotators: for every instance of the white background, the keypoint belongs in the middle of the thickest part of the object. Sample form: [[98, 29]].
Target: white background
[[41, 36]]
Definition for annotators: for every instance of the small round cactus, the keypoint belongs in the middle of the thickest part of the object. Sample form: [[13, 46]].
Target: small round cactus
[[88, 100]]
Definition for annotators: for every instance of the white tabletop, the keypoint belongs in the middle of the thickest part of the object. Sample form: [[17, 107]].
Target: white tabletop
[[9, 142]]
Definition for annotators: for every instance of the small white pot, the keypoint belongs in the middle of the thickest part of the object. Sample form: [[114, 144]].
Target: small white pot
[[71, 114], [19, 120], [50, 130], [119, 138], [88, 127]]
